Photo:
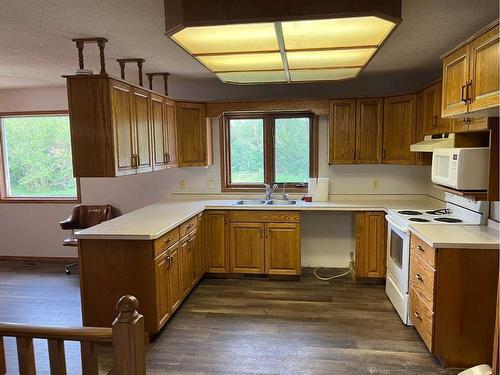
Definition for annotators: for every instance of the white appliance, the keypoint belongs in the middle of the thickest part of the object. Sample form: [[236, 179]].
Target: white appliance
[[461, 168], [458, 211]]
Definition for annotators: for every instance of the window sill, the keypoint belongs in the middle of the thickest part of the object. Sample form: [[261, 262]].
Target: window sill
[[41, 200]]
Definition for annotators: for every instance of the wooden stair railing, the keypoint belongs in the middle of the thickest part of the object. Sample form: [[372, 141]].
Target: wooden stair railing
[[126, 335]]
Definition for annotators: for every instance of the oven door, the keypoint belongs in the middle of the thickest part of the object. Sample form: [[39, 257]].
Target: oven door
[[398, 253]]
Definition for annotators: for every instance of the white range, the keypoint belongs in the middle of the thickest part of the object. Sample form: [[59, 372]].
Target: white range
[[458, 211]]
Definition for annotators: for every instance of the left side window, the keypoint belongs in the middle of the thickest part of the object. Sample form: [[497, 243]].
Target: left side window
[[36, 158]]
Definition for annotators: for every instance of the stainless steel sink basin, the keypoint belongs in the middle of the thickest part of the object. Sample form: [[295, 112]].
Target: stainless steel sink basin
[[281, 202], [250, 202]]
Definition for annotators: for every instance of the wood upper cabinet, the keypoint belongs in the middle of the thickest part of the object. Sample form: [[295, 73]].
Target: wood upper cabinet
[[483, 71], [217, 242], [160, 132], [355, 131], [369, 121], [246, 252], [194, 135], [143, 141], [370, 234], [342, 132], [123, 128], [282, 249], [471, 78], [433, 123], [399, 129], [170, 133]]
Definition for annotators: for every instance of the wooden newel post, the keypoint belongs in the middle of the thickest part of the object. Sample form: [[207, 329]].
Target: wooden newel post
[[128, 338]]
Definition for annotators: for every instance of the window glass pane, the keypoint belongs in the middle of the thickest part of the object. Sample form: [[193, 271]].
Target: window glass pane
[[292, 149], [37, 156], [247, 150]]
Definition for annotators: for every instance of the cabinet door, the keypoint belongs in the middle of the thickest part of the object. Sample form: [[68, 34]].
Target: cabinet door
[[246, 246], [191, 124], [282, 249], [455, 78], [342, 132], [217, 241], [121, 103], [200, 261], [370, 233], [170, 133], [174, 278], [162, 288], [159, 132], [484, 65], [399, 129], [186, 268], [443, 125], [369, 117], [142, 131], [429, 117]]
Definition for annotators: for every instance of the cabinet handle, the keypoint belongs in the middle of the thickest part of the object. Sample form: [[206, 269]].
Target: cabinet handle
[[168, 240], [464, 99], [169, 261], [261, 233], [418, 277], [420, 248], [138, 160], [168, 157], [467, 92], [417, 315]]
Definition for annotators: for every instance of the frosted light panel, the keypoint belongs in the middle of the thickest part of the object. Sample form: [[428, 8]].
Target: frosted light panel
[[334, 33], [252, 77], [323, 74], [254, 37], [329, 59], [242, 62]]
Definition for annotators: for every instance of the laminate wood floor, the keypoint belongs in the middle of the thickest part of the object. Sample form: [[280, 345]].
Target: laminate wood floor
[[239, 326]]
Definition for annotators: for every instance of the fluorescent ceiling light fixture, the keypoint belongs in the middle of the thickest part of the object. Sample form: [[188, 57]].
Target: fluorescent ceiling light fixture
[[289, 51]]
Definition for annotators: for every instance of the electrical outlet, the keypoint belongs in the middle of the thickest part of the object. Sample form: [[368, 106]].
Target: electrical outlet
[[375, 184], [210, 184], [182, 185]]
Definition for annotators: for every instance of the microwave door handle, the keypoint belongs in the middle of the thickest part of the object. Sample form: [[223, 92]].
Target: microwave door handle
[[395, 225]]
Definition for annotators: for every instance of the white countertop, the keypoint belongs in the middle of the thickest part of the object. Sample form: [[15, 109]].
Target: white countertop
[[153, 221], [457, 236]]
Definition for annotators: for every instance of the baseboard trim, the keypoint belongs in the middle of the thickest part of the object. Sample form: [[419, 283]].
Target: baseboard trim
[[63, 260]]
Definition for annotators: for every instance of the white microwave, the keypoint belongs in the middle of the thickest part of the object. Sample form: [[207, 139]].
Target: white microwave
[[461, 168]]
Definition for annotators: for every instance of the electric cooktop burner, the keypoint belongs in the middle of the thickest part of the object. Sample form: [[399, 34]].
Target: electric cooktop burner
[[409, 212], [419, 219], [448, 220], [443, 211]]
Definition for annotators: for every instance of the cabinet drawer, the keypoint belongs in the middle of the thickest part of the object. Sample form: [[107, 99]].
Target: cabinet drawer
[[188, 226], [425, 251], [422, 318], [166, 241], [422, 279], [264, 216]]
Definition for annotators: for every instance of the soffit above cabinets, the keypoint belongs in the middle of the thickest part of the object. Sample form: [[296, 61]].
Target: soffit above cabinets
[[286, 42]]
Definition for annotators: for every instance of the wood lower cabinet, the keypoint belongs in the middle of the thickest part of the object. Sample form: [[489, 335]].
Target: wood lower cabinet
[[174, 278], [200, 254], [217, 241], [186, 255], [453, 295], [371, 239], [282, 249], [399, 129], [162, 269], [246, 244], [471, 76]]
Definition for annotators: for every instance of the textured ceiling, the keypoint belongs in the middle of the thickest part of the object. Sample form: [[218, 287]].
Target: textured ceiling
[[36, 47]]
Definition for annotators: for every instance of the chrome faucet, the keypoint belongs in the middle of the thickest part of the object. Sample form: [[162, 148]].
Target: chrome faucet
[[269, 190], [284, 194]]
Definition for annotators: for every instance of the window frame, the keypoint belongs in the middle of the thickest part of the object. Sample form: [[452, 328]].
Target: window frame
[[4, 198], [269, 142]]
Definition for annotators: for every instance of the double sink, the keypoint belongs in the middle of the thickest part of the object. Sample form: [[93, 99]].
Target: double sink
[[257, 202]]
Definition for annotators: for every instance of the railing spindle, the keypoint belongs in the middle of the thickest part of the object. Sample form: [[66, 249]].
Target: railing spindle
[[26, 356], [57, 357], [128, 338], [90, 363], [3, 366]]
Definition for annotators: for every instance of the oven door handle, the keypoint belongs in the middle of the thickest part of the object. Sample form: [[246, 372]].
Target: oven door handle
[[396, 225]]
